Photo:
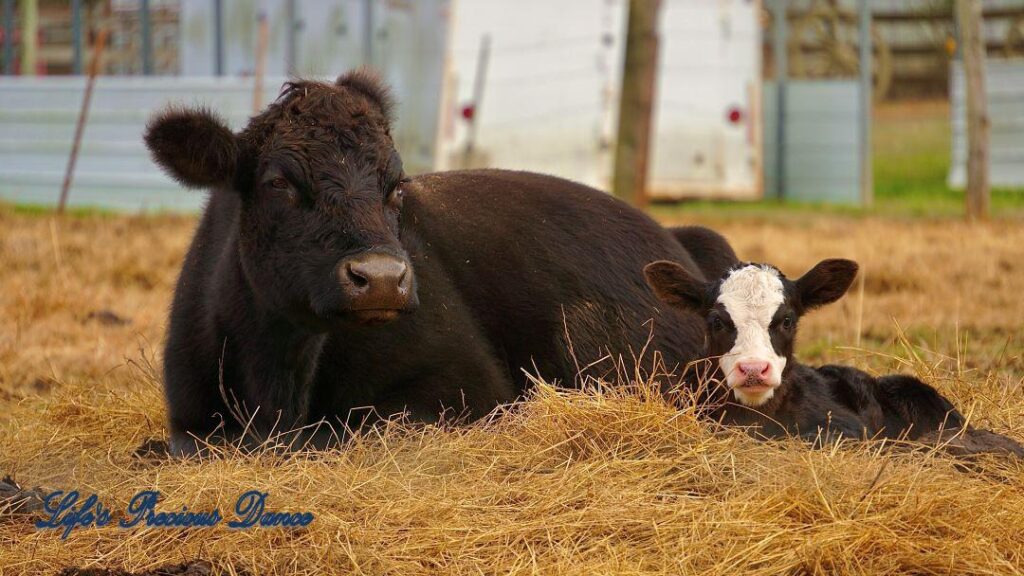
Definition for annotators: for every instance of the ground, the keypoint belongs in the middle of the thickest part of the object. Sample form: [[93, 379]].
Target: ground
[[600, 481]]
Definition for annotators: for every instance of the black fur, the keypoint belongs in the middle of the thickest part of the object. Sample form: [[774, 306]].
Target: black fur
[[893, 406], [511, 270], [710, 250], [194, 146]]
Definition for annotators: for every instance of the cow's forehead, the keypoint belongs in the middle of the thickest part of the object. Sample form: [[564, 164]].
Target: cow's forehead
[[752, 293]]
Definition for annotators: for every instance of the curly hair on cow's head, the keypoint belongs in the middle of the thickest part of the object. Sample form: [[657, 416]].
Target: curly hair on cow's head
[[353, 111]]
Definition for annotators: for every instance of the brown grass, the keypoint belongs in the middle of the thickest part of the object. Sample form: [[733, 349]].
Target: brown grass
[[565, 483]]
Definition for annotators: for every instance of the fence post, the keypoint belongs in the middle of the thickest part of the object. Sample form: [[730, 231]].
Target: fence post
[[76, 36], [867, 178], [83, 115], [781, 54], [9, 37], [147, 38], [639, 75], [218, 37], [29, 36], [972, 41]]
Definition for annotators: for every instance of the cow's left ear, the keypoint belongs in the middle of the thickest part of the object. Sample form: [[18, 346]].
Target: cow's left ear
[[674, 285], [193, 146], [826, 282]]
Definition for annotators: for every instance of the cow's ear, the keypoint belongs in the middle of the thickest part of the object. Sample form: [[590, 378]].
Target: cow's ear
[[367, 82], [826, 282], [193, 146], [674, 285]]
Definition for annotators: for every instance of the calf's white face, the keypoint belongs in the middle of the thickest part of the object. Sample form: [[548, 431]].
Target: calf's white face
[[751, 296], [751, 316]]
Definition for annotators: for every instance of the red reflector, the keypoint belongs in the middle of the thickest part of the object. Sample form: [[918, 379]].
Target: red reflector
[[735, 115], [468, 111]]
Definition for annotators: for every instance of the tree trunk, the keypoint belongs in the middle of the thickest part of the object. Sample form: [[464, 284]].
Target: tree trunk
[[636, 102], [972, 48]]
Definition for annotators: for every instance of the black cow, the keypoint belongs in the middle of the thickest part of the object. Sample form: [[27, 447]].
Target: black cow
[[323, 282], [751, 312]]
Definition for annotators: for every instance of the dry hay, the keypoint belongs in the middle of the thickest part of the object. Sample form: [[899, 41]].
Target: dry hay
[[602, 481]]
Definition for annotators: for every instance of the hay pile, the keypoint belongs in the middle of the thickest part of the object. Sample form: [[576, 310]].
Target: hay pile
[[566, 483]]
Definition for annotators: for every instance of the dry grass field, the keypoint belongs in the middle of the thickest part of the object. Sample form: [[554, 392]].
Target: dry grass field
[[565, 483]]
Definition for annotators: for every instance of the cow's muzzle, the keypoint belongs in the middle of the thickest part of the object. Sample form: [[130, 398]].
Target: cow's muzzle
[[378, 286]]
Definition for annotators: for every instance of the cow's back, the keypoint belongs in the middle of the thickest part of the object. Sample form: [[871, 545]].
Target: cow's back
[[549, 266]]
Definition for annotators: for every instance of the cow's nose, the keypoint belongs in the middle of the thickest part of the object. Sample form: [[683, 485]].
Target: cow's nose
[[375, 281], [755, 369]]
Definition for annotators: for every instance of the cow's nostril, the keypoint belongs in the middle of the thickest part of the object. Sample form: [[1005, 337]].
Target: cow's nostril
[[754, 368], [359, 278]]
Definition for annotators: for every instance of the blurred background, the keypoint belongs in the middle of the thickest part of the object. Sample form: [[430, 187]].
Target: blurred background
[[853, 104]]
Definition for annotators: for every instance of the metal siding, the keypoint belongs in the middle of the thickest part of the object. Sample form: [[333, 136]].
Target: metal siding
[[38, 115], [37, 120], [822, 140], [1004, 87]]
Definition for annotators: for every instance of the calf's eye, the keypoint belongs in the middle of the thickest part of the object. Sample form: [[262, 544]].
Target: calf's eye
[[788, 322], [717, 325], [396, 195], [279, 183]]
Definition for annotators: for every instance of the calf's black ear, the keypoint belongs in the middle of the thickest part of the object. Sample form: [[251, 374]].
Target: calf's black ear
[[674, 285], [826, 282], [193, 146]]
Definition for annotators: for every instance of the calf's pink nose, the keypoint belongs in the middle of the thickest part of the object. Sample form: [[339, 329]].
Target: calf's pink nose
[[754, 369]]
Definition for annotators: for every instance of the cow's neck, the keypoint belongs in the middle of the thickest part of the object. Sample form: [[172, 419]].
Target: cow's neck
[[274, 356]]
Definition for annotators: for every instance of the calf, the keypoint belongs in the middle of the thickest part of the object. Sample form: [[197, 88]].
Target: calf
[[324, 284], [751, 316]]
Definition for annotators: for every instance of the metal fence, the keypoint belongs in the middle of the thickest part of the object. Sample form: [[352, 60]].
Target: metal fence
[[37, 122]]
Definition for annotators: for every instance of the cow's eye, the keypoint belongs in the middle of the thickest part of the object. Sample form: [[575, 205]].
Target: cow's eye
[[396, 195], [788, 322], [279, 183], [716, 324]]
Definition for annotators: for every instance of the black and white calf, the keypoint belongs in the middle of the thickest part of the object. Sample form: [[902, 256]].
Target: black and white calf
[[752, 313]]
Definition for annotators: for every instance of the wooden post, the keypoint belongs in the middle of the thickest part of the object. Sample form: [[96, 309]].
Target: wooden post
[[867, 177], [972, 42], [9, 27], [262, 40], [483, 59], [29, 36], [636, 103], [83, 115]]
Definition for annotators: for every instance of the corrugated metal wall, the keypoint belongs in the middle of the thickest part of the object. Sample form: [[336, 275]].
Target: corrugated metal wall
[[1005, 88], [37, 123], [822, 141]]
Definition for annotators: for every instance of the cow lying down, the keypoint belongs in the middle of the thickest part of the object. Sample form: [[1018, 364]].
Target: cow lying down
[[752, 312]]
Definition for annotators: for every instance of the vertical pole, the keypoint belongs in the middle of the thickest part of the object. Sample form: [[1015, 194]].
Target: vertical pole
[[867, 179], [367, 32], [76, 36], [969, 17], [218, 37], [83, 115], [636, 104], [9, 37], [482, 61], [780, 52], [291, 40], [29, 36], [147, 38], [262, 40]]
